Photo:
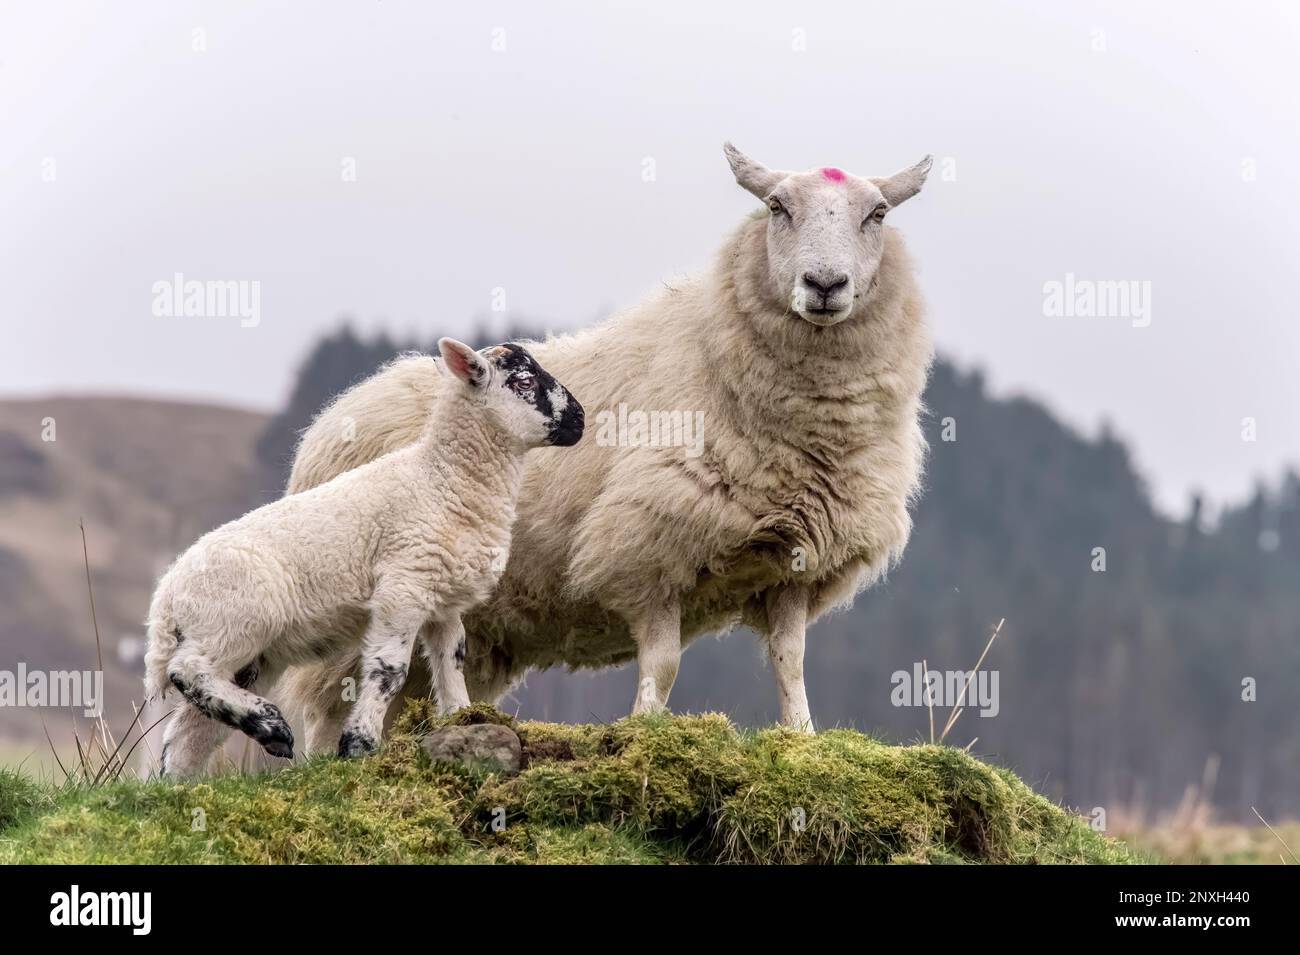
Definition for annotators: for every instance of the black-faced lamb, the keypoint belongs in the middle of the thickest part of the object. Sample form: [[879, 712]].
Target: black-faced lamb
[[361, 564]]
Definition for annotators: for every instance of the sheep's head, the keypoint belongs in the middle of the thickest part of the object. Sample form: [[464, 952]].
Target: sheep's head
[[521, 396], [825, 232]]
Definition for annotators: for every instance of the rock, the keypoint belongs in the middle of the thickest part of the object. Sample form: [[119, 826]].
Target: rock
[[482, 746]]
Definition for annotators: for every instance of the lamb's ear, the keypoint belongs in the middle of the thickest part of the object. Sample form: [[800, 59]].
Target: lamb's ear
[[903, 185], [463, 362], [751, 175]]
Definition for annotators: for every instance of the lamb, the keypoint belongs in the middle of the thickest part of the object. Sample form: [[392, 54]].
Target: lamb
[[806, 352], [360, 564]]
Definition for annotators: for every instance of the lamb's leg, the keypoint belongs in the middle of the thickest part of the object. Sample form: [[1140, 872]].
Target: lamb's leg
[[214, 706], [657, 631], [787, 620], [385, 660], [444, 649], [321, 694], [189, 742]]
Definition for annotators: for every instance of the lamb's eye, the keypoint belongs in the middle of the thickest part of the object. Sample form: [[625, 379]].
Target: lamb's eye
[[774, 204], [521, 383]]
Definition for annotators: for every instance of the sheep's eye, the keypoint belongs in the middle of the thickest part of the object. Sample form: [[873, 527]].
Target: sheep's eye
[[521, 383], [775, 205], [877, 215]]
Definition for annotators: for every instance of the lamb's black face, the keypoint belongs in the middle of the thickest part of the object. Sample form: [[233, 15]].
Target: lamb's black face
[[531, 383]]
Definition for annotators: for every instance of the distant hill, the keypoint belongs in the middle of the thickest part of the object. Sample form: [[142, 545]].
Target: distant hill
[[148, 477]]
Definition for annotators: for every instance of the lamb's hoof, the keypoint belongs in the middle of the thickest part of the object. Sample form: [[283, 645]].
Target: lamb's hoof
[[353, 745], [274, 734], [279, 748]]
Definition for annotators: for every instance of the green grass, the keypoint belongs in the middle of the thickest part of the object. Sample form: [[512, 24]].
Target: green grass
[[669, 789]]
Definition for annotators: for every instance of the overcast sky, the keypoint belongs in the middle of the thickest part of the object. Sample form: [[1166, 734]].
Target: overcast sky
[[505, 146]]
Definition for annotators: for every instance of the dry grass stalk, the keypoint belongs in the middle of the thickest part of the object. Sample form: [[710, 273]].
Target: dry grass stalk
[[1276, 836], [960, 705]]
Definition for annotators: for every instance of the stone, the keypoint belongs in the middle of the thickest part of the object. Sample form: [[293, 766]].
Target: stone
[[487, 746]]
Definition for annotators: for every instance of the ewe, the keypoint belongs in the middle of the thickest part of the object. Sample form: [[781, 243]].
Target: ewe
[[401, 546], [806, 351]]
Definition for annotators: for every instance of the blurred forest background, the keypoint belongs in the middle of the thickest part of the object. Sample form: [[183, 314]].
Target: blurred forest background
[[1117, 688]]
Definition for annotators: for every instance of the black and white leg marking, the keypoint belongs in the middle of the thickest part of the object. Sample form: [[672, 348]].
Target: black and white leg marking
[[385, 660], [215, 705]]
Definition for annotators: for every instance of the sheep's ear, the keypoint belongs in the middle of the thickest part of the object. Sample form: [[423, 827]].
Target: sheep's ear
[[463, 362], [903, 185], [751, 175]]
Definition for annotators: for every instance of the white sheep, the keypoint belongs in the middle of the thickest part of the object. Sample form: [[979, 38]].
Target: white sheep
[[802, 353], [361, 564]]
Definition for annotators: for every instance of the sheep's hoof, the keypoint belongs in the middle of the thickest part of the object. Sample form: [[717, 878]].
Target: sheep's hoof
[[353, 745], [799, 724]]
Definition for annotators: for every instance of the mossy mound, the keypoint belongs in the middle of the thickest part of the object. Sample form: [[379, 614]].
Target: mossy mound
[[642, 790]]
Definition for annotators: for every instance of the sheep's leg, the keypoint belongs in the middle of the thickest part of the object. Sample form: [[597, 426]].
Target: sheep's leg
[[197, 729], [444, 649], [657, 631], [320, 694], [385, 660], [490, 675], [324, 725], [787, 621]]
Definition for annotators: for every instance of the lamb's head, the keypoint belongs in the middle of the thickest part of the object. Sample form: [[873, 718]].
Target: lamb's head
[[519, 395], [825, 232]]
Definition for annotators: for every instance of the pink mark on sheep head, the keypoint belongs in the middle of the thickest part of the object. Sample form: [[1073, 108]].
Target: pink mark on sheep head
[[825, 232]]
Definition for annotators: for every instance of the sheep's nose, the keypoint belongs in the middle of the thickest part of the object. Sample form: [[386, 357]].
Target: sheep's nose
[[825, 284]]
